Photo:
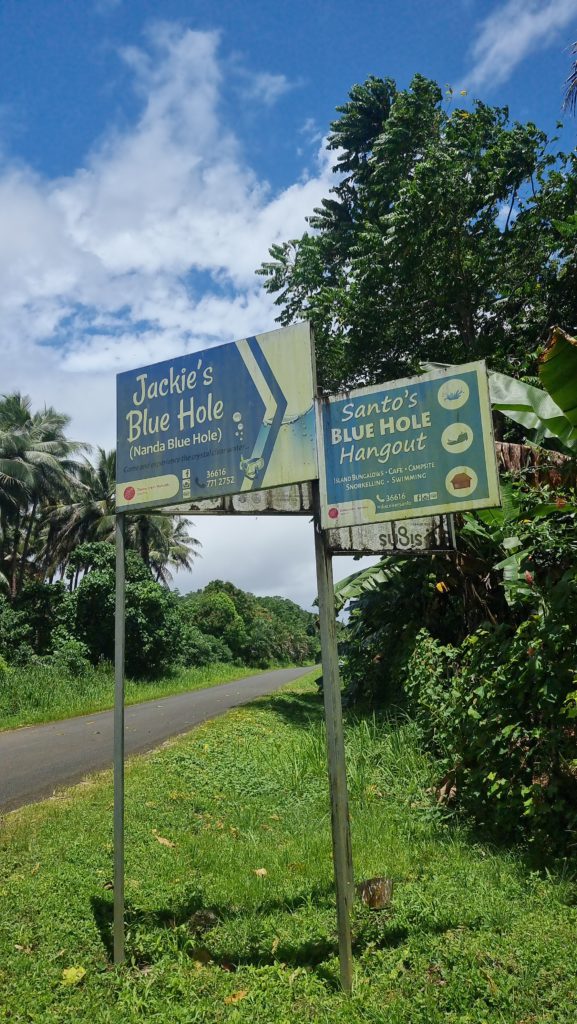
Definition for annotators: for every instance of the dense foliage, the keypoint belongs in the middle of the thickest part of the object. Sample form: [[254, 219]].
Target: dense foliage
[[494, 710], [254, 630], [450, 235], [48, 625], [152, 621], [481, 648], [480, 644]]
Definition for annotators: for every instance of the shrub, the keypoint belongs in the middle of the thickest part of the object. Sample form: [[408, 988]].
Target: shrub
[[221, 651], [197, 648], [44, 607], [214, 613], [257, 630], [494, 710], [265, 643], [15, 634], [69, 655], [153, 630]]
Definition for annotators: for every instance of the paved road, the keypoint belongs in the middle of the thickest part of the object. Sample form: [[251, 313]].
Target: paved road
[[35, 760]]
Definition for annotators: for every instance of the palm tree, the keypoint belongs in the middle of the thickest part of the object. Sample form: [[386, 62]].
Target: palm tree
[[178, 549], [50, 502], [161, 540], [36, 467], [571, 85], [53, 480], [88, 513]]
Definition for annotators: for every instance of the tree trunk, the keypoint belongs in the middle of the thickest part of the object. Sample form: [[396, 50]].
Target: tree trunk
[[14, 559], [26, 546]]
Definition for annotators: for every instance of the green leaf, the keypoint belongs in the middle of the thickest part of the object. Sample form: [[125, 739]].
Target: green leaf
[[366, 579], [510, 509], [534, 409], [511, 543], [558, 371]]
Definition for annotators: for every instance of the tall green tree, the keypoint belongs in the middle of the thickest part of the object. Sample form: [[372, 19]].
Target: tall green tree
[[162, 541], [153, 629], [448, 236], [37, 467], [86, 515]]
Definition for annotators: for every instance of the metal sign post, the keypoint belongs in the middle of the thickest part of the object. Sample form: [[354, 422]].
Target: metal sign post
[[119, 649], [342, 851], [206, 432]]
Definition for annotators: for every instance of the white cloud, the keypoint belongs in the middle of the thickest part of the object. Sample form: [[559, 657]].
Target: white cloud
[[311, 131], [151, 246], [510, 33], [266, 88], [147, 250]]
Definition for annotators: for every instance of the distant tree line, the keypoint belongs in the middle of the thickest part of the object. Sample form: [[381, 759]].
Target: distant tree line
[[51, 624]]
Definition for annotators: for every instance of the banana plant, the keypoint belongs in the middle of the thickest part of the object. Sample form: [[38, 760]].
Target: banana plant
[[550, 414], [350, 588], [508, 530]]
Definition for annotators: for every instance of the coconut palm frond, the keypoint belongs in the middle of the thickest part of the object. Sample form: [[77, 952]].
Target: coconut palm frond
[[570, 102]]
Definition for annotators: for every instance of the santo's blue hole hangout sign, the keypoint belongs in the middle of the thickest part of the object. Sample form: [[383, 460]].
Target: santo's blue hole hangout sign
[[417, 447], [232, 418]]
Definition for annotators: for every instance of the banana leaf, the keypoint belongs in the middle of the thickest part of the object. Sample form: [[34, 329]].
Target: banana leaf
[[549, 414], [534, 409], [558, 371], [365, 579]]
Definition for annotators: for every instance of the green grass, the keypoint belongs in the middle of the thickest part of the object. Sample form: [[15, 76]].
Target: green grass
[[472, 937], [45, 694]]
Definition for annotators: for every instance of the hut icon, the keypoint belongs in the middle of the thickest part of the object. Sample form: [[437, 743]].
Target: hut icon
[[462, 481]]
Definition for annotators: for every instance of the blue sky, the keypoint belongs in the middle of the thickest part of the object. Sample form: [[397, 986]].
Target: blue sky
[[147, 165]]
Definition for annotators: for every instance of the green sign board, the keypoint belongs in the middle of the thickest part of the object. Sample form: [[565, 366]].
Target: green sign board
[[417, 447], [233, 418]]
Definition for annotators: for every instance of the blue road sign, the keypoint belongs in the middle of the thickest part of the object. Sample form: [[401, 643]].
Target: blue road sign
[[232, 418], [417, 447]]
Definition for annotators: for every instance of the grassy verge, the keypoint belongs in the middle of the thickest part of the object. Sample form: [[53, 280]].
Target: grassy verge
[[231, 913], [45, 694]]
